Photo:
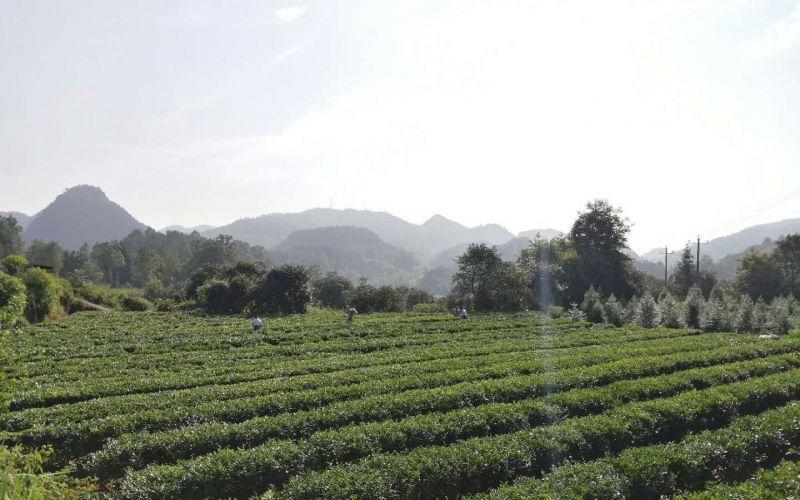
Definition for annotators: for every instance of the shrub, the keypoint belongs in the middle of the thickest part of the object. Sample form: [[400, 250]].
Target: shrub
[[136, 303], [555, 311], [212, 296], [672, 314], [630, 310], [14, 265], [592, 305], [43, 291], [22, 476], [647, 313], [779, 317], [745, 320], [694, 306], [12, 300], [613, 311], [429, 308], [712, 317], [154, 289], [575, 313]]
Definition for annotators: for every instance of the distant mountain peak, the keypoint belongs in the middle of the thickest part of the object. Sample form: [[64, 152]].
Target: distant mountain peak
[[440, 220], [84, 192], [81, 214]]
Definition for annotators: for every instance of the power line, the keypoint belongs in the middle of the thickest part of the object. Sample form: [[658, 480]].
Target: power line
[[759, 211]]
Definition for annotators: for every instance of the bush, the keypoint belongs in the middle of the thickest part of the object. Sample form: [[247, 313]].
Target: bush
[[555, 311], [592, 305], [713, 316], [212, 296], [575, 313], [647, 314], [745, 320], [136, 303], [14, 265], [672, 314], [613, 312], [694, 306], [43, 292], [166, 305], [779, 317], [429, 308], [12, 300]]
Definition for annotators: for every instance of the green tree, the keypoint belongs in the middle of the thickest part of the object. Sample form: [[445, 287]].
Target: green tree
[[745, 316], [331, 290], [10, 237], [759, 275], [477, 276], [213, 296], [511, 291], [12, 300], [363, 297], [599, 236], [787, 254], [219, 251], [110, 258], [14, 265], [414, 296], [48, 254], [683, 277], [647, 312], [540, 264], [284, 290]]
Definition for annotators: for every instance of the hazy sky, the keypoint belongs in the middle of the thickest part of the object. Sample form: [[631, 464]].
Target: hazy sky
[[685, 114]]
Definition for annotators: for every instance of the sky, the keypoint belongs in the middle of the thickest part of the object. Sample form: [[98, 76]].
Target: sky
[[684, 114]]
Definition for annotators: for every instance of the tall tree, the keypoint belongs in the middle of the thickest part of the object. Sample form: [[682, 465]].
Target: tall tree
[[48, 254], [599, 236], [759, 275], [683, 277], [787, 253], [10, 237], [478, 272]]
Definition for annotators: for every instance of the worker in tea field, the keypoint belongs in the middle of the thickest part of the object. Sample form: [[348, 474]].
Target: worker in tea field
[[350, 312], [256, 324], [463, 313]]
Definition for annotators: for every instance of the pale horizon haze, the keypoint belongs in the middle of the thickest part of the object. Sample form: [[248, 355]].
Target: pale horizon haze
[[684, 114]]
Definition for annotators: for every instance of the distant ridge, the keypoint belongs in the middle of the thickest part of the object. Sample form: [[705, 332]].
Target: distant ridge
[[81, 214], [350, 251], [424, 240], [186, 230], [739, 241], [22, 219]]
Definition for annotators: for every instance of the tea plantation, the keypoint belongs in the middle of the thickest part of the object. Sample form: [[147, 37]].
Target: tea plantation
[[159, 405]]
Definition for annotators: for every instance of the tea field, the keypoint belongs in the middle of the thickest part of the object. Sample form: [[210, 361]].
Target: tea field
[[159, 405]]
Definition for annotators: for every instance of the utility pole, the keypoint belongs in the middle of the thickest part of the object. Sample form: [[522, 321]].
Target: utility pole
[[698, 254], [666, 264]]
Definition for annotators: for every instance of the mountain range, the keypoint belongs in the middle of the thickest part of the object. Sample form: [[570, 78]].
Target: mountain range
[[353, 242]]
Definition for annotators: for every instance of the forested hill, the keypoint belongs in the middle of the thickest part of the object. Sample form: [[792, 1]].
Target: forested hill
[[351, 251], [82, 214]]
